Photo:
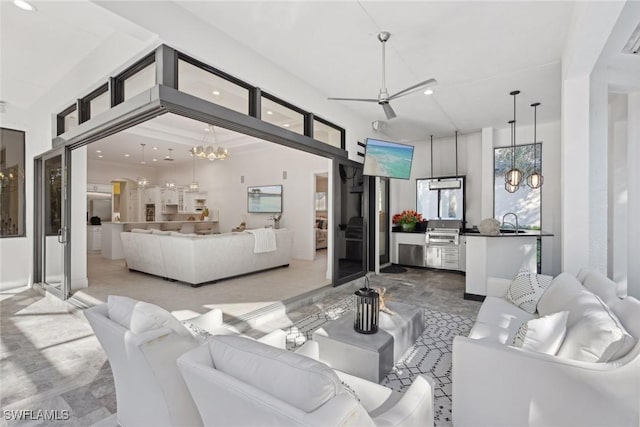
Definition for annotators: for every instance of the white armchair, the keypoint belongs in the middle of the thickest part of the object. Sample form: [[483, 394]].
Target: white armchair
[[142, 342], [149, 387], [239, 382]]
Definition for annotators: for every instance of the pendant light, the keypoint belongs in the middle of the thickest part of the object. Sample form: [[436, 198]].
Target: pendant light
[[513, 178], [536, 179], [142, 181], [194, 187]]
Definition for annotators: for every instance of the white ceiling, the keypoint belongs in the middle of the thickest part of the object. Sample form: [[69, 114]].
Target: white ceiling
[[478, 52], [168, 131]]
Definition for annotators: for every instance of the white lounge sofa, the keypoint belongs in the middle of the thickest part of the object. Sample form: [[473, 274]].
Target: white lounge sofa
[[201, 259], [496, 384], [238, 382], [142, 342]]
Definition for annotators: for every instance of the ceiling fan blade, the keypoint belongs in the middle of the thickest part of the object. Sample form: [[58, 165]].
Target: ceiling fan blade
[[414, 88], [354, 99], [388, 111]]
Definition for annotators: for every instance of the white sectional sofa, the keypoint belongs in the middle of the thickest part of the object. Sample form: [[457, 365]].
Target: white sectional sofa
[[201, 259], [590, 381]]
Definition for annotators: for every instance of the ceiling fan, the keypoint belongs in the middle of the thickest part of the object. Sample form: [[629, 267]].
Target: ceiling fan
[[383, 97]]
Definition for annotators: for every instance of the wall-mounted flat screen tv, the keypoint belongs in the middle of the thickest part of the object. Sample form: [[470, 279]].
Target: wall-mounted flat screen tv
[[264, 199], [388, 159]]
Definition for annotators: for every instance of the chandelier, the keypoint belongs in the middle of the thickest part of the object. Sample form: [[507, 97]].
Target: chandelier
[[210, 152]]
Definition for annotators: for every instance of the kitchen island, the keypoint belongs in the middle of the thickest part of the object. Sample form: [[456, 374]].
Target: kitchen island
[[498, 255]]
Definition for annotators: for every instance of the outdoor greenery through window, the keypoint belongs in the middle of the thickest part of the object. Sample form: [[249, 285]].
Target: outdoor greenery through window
[[525, 201], [12, 201]]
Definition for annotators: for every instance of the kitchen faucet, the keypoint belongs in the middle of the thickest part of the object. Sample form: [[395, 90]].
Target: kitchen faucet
[[509, 223]]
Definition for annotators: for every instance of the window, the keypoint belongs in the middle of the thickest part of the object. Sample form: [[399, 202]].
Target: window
[[204, 84], [140, 81], [12, 196], [326, 133], [440, 198], [99, 104], [524, 202], [280, 115], [67, 120]]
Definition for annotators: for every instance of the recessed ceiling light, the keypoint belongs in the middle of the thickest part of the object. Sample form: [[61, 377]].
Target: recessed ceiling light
[[428, 92], [269, 112], [143, 162], [216, 92], [126, 155], [24, 5], [155, 148], [98, 151], [155, 160], [287, 125], [100, 156], [207, 129]]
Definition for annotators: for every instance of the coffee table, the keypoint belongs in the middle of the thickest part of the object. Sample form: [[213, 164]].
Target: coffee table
[[370, 356]]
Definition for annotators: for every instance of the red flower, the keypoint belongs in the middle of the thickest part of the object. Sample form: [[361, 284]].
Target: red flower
[[407, 217]]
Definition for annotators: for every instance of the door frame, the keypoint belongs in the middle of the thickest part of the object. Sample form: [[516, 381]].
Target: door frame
[[64, 233]]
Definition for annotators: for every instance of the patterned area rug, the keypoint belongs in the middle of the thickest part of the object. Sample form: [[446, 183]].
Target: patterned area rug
[[430, 355]]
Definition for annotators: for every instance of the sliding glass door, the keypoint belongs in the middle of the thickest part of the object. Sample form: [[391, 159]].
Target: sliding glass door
[[52, 263], [350, 219]]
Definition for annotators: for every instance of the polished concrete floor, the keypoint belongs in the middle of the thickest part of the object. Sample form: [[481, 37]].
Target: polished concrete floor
[[51, 360], [235, 297]]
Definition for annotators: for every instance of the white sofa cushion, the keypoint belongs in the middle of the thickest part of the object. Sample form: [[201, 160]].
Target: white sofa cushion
[[527, 288], [628, 311], [140, 230], [563, 288], [599, 284], [301, 381], [499, 320], [140, 316], [544, 334], [594, 332], [160, 232]]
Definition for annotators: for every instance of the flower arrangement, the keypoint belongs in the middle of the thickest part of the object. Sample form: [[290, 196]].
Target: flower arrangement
[[407, 217]]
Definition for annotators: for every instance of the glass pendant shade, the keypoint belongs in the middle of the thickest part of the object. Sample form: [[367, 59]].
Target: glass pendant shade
[[194, 186], [511, 188], [535, 180], [513, 177], [142, 182]]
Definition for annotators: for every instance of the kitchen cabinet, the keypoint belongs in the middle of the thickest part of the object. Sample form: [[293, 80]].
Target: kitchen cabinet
[[94, 238], [151, 195], [195, 202]]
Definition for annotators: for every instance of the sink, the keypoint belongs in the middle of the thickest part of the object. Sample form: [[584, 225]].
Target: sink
[[511, 231]]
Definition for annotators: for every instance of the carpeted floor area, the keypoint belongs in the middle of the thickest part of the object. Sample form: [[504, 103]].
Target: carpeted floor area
[[430, 355]]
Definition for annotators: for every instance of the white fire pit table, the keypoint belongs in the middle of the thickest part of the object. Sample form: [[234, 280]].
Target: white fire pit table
[[370, 356]]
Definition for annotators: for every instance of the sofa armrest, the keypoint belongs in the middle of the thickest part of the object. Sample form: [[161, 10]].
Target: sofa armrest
[[415, 408], [497, 287], [497, 385], [309, 349]]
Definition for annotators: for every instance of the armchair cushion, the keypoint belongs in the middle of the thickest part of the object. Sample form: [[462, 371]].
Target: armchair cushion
[[140, 316], [303, 382], [527, 288], [544, 334]]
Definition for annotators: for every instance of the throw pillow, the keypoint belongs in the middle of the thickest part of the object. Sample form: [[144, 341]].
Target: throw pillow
[[594, 332], [563, 289], [140, 230], [544, 334], [599, 284], [140, 316], [527, 288]]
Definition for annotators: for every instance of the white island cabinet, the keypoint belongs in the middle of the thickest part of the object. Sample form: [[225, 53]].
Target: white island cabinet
[[498, 256]]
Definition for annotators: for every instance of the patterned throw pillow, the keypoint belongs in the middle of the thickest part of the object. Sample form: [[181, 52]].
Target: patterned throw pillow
[[544, 334], [527, 288]]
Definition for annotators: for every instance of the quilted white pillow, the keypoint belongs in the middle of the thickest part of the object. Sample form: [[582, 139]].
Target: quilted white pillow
[[544, 334], [594, 332], [140, 316], [527, 288], [140, 230]]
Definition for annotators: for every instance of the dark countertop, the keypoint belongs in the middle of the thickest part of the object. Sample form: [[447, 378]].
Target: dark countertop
[[504, 233]]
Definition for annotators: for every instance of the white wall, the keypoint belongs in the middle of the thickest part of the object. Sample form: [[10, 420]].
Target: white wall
[[633, 179], [226, 192]]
